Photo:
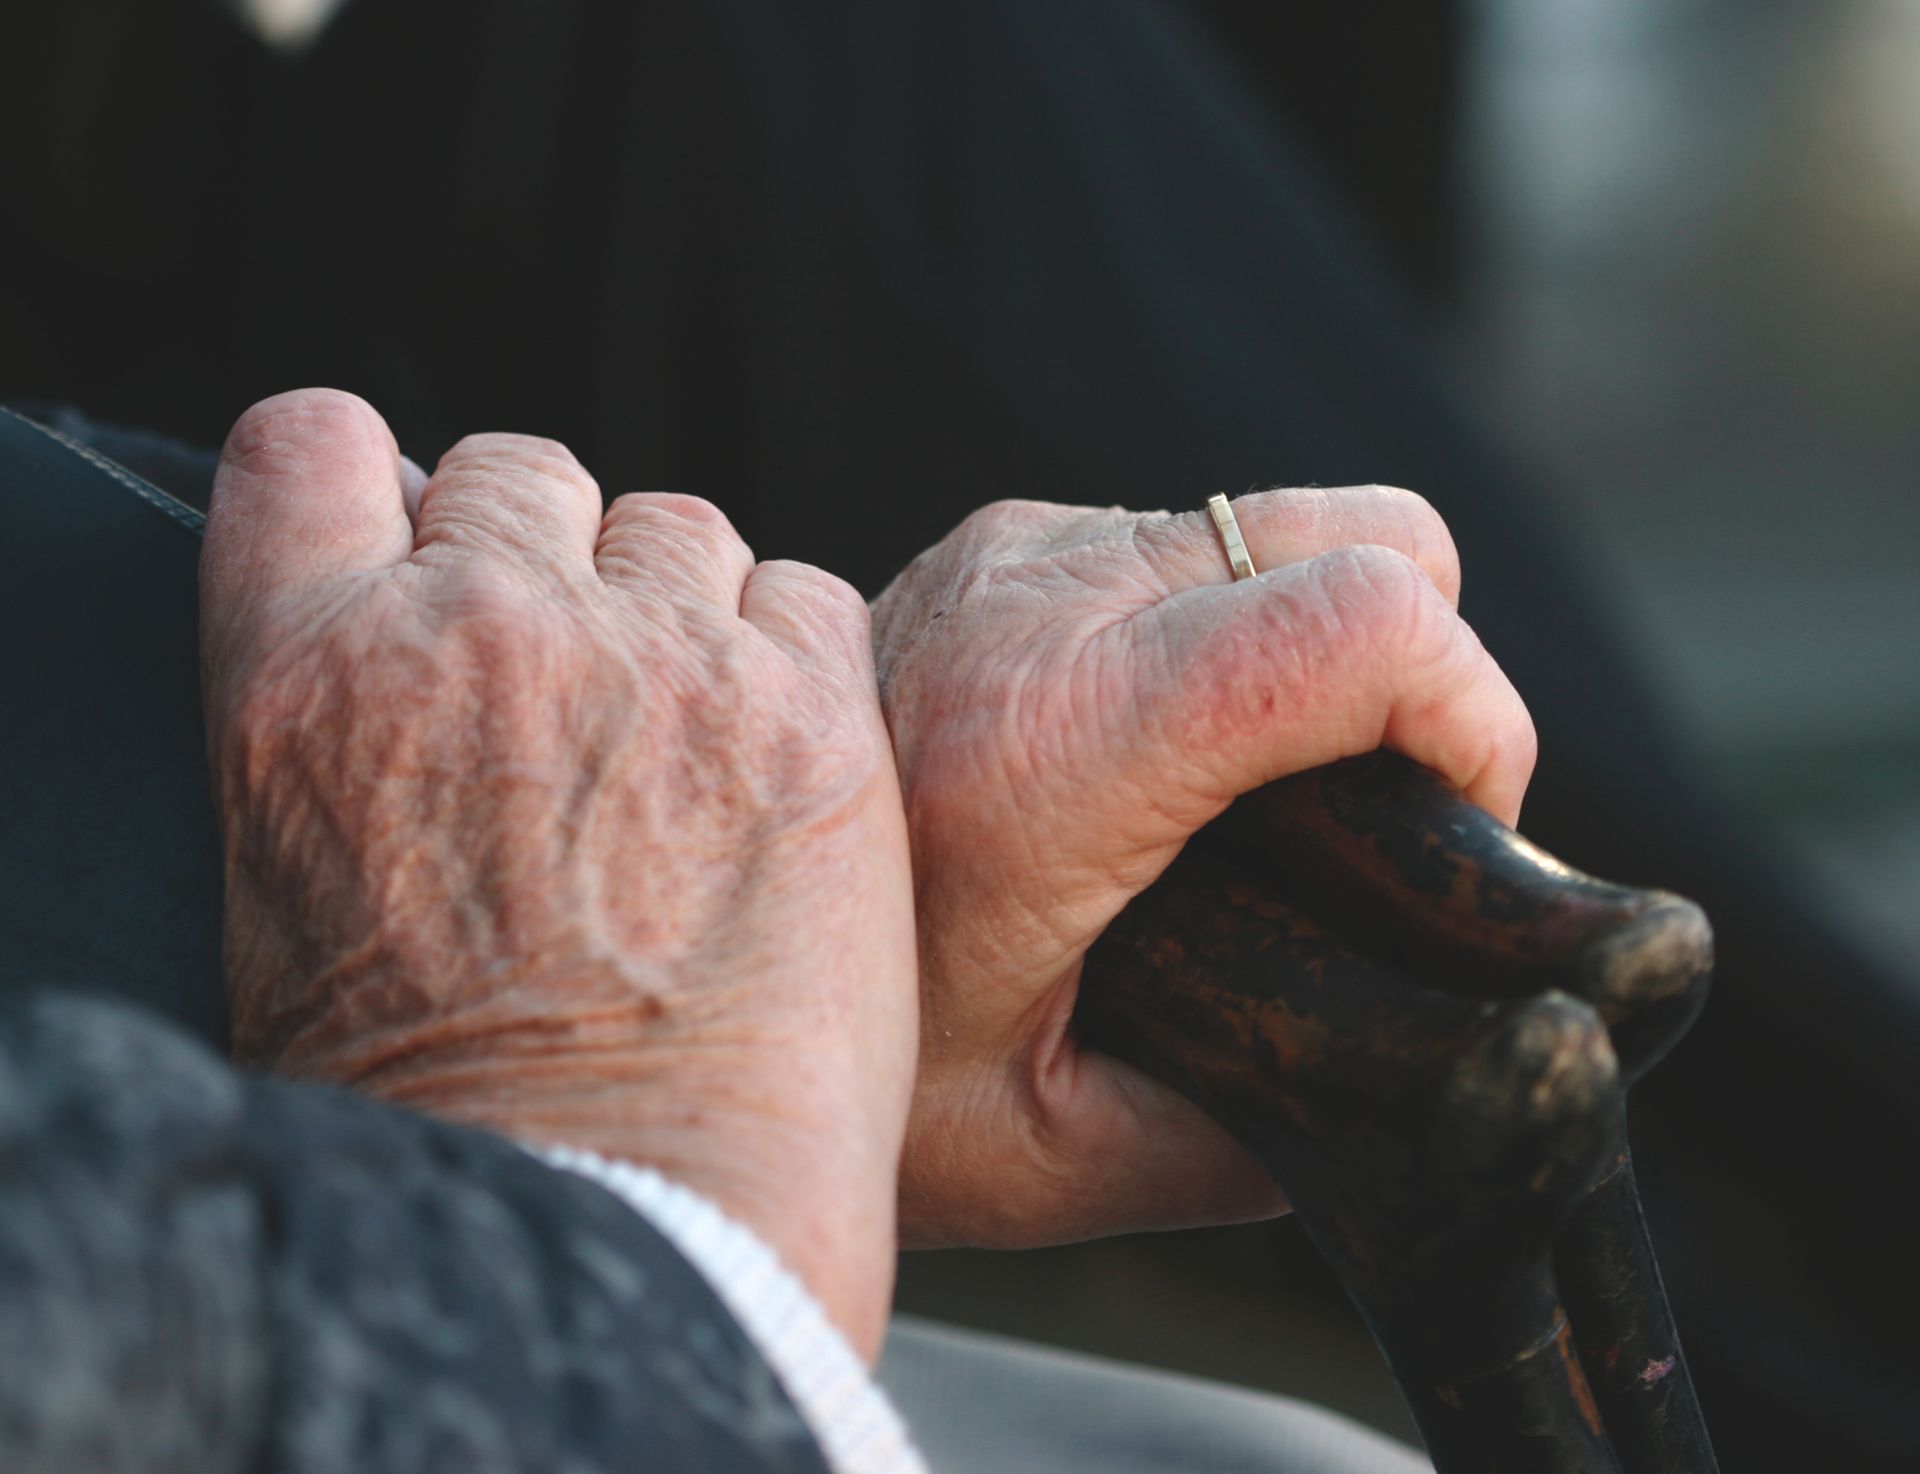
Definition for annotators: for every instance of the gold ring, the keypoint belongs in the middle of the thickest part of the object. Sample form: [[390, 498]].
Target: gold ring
[[1237, 555]]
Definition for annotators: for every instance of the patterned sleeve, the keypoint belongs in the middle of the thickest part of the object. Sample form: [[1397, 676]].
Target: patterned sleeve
[[206, 1273]]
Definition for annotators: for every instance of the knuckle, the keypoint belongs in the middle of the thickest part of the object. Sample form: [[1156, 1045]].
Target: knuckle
[[826, 591], [272, 434], [505, 455], [1008, 517], [681, 506], [690, 517], [1007, 510], [992, 545]]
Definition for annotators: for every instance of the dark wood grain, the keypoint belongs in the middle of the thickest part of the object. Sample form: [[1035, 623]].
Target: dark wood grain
[[1425, 1028]]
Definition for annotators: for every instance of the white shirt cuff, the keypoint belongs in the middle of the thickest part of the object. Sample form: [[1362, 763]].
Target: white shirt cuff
[[850, 1417]]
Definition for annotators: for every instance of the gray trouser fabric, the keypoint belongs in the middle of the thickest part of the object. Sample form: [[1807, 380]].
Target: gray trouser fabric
[[981, 1404]]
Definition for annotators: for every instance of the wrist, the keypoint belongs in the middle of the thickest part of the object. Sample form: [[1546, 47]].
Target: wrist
[[810, 1177], [791, 1123]]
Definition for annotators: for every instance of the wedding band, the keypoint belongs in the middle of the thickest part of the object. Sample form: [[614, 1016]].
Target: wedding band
[[1237, 555]]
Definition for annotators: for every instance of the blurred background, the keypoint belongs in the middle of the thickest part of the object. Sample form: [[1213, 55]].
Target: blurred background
[[1631, 288], [1689, 293]]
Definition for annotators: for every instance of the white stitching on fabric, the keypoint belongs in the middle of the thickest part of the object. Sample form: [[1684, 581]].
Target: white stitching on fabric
[[173, 507]]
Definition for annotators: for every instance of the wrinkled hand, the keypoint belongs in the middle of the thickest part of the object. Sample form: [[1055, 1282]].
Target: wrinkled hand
[[583, 828], [1072, 693]]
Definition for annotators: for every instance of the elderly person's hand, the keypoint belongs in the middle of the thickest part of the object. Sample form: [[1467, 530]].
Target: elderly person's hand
[[579, 827], [1072, 693]]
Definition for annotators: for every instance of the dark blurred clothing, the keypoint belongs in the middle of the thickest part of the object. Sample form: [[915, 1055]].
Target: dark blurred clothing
[[205, 1273], [855, 267]]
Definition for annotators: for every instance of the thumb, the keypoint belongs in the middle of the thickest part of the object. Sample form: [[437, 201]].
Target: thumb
[[1111, 1152]]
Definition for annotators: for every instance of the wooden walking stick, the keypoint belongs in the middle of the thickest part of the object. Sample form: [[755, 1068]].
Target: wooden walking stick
[[1475, 908], [1424, 1027]]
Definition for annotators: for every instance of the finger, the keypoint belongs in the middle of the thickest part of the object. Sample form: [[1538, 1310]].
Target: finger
[[1294, 524], [515, 497], [819, 620], [309, 487], [413, 481], [1162, 1162], [1112, 1152], [678, 548], [1246, 682]]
